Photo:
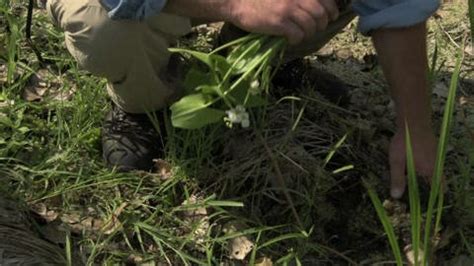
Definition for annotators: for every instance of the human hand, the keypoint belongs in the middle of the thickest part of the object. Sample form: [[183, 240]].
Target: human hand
[[424, 145], [294, 19]]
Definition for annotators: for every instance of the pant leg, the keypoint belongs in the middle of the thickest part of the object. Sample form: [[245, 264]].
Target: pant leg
[[131, 55]]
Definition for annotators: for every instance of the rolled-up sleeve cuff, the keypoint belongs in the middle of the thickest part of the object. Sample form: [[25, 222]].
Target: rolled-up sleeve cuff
[[376, 14], [136, 9]]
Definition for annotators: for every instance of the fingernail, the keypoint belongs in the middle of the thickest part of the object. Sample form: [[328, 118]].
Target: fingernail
[[396, 193]]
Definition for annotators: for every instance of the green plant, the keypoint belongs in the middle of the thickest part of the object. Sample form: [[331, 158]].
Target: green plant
[[229, 85]]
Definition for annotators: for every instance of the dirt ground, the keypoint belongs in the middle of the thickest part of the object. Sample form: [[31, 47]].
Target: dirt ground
[[216, 197]]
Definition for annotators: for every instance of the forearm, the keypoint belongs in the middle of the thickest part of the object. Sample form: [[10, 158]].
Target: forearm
[[403, 56], [209, 10]]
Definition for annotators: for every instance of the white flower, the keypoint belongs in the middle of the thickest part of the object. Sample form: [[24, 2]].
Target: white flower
[[238, 115], [254, 87], [232, 116]]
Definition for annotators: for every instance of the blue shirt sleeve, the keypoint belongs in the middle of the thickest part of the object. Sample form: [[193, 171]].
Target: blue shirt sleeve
[[375, 14], [133, 9]]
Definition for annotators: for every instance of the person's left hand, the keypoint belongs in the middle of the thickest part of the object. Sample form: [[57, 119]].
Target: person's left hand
[[424, 145]]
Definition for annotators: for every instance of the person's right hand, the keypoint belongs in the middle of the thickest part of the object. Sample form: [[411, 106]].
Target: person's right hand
[[293, 19]]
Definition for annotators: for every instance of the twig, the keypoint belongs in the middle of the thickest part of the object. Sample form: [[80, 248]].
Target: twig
[[30, 42]]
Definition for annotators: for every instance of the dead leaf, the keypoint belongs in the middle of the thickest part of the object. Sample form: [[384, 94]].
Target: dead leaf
[[238, 247], [196, 221], [264, 262], [42, 210], [410, 254], [3, 74], [469, 101], [326, 51], [163, 169], [113, 224], [469, 49], [43, 84], [86, 221]]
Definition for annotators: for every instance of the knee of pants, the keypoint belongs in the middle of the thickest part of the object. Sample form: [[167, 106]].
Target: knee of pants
[[100, 45], [103, 50]]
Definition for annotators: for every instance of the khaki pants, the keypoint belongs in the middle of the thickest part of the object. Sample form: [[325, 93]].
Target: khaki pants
[[133, 55]]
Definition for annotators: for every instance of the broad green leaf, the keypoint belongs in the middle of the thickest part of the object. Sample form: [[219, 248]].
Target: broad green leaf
[[193, 112], [198, 119], [220, 64], [240, 95], [208, 89], [215, 62], [195, 78], [255, 101], [203, 57]]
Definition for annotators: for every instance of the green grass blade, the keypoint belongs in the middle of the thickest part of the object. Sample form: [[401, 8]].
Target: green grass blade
[[282, 238], [432, 73], [414, 197], [440, 159], [386, 224], [333, 150], [12, 48], [68, 248], [222, 203], [471, 18]]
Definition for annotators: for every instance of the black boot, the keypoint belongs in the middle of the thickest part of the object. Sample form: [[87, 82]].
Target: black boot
[[130, 141]]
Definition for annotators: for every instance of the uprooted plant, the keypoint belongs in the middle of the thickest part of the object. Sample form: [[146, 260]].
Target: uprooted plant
[[229, 85]]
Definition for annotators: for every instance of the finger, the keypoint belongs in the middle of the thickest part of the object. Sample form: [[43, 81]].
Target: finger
[[332, 8], [322, 22], [317, 11], [305, 21], [293, 32], [397, 177]]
